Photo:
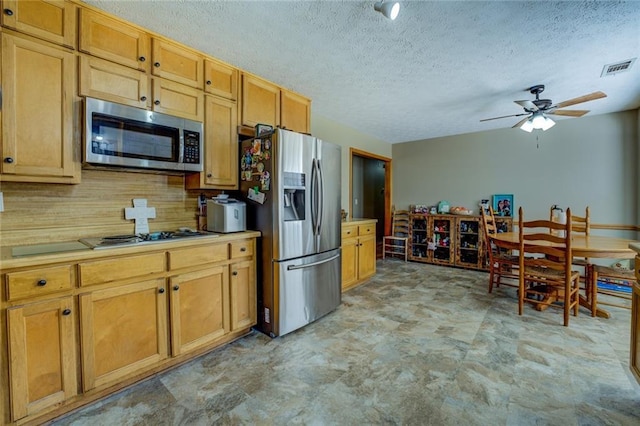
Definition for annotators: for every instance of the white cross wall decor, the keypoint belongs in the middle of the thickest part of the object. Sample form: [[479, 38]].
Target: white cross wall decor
[[141, 214]]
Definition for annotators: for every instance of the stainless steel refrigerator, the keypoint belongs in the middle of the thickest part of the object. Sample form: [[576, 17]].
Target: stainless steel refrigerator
[[291, 184]]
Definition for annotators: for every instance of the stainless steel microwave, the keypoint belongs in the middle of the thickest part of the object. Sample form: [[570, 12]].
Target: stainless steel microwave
[[120, 135]]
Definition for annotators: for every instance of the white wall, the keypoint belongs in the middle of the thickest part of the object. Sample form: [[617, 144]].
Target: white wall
[[347, 137], [587, 161]]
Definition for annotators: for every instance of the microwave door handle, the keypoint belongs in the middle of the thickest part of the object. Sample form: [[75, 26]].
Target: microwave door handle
[[181, 148]]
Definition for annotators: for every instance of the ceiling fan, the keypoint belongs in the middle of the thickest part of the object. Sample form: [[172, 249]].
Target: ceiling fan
[[538, 109]]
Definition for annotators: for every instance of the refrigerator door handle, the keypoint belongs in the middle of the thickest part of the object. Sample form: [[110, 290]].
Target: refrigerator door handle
[[314, 198], [309, 265], [320, 196]]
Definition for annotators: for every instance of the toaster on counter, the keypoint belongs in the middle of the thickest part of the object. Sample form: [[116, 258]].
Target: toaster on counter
[[226, 215]]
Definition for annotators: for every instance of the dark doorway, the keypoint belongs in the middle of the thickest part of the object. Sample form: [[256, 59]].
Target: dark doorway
[[370, 190]]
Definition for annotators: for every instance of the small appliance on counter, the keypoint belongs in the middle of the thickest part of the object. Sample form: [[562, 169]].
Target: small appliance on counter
[[226, 215]]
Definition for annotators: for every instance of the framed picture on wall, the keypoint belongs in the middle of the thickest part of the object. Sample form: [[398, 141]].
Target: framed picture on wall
[[503, 204]]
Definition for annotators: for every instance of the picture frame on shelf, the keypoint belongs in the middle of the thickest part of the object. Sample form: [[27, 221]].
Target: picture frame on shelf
[[503, 204], [263, 129]]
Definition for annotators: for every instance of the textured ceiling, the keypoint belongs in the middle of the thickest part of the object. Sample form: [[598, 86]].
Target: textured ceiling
[[436, 70]]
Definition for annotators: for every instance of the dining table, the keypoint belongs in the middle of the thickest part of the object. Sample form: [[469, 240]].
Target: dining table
[[582, 246]]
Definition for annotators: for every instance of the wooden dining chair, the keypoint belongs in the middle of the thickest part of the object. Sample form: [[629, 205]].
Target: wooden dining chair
[[397, 244], [502, 264], [546, 274]]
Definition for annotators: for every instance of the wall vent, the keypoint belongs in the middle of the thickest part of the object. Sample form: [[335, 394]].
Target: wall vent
[[618, 67]]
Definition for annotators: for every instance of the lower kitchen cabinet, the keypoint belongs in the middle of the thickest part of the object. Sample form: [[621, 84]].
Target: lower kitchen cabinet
[[42, 355], [140, 310], [634, 361], [358, 252], [243, 295], [199, 308], [124, 331]]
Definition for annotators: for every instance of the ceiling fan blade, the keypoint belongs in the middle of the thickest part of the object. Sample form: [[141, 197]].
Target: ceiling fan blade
[[569, 112], [520, 123], [528, 105], [505, 116], [579, 100]]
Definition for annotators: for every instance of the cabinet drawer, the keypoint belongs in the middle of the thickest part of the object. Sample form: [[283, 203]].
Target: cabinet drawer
[[349, 231], [367, 229], [39, 281], [241, 249], [104, 271], [194, 256]]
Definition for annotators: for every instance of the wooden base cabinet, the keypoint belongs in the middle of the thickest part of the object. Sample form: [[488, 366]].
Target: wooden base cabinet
[[358, 252], [243, 303], [450, 240], [199, 308], [634, 361], [124, 330], [42, 355]]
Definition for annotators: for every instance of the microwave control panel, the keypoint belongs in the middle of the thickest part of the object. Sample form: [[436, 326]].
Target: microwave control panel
[[191, 147]]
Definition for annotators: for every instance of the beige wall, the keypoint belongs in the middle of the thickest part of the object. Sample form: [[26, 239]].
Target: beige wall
[[588, 161], [347, 137]]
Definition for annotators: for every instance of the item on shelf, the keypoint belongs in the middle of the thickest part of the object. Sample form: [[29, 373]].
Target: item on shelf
[[419, 208], [443, 207], [461, 210]]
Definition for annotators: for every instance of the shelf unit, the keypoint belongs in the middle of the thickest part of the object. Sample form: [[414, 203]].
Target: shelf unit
[[450, 240]]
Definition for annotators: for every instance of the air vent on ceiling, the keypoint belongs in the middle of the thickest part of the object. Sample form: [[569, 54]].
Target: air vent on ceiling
[[618, 67]]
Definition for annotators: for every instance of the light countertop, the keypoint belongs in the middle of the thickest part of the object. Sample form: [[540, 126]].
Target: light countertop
[[635, 247]]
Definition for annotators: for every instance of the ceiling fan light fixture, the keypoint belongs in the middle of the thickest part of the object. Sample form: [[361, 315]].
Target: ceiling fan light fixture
[[389, 9], [537, 121]]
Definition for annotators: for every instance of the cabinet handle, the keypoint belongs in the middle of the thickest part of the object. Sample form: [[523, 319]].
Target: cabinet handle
[[8, 160], [209, 175], [66, 311], [144, 98], [243, 249], [8, 12], [208, 82], [234, 273], [42, 283], [156, 64], [176, 287], [157, 102], [142, 58], [161, 290]]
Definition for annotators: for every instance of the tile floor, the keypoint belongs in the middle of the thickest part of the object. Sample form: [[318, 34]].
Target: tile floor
[[417, 344]]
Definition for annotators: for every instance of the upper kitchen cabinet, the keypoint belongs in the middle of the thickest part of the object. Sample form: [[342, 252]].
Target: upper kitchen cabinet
[[113, 82], [220, 147], [175, 62], [114, 40], [177, 99], [260, 102], [220, 79], [38, 82], [50, 20], [295, 112]]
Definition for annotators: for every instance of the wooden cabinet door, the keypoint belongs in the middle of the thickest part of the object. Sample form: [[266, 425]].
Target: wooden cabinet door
[[42, 355], [51, 20], [366, 256], [38, 81], [113, 82], [260, 102], [114, 40], [177, 99], [199, 308], [634, 361], [349, 262], [220, 79], [220, 147], [124, 331], [295, 112], [243, 295], [175, 62]]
